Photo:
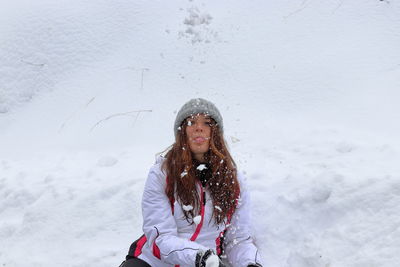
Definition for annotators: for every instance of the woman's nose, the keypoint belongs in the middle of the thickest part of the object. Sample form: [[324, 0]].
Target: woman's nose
[[199, 127]]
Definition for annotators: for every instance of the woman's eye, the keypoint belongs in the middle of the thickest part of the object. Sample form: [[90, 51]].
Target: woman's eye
[[193, 122]]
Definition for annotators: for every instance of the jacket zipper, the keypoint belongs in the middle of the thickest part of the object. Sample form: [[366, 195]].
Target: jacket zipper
[[204, 196]]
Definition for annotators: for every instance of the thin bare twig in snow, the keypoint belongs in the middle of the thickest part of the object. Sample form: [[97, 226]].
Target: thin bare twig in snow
[[129, 113], [33, 64], [303, 5], [141, 82], [338, 6], [73, 114], [136, 117]]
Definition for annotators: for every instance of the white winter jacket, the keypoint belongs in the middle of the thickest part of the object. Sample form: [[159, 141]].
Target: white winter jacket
[[167, 234]]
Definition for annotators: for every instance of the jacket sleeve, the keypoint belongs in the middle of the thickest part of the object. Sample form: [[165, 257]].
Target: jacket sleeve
[[239, 247], [159, 224]]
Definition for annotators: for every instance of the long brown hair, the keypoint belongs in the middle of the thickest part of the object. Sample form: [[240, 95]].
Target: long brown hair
[[223, 185]]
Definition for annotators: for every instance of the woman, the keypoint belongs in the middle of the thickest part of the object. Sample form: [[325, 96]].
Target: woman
[[195, 207]]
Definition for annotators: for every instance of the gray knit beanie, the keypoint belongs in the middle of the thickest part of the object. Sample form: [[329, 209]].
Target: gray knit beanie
[[194, 107]]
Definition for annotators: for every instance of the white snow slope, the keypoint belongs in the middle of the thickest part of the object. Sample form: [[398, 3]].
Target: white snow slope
[[309, 91]]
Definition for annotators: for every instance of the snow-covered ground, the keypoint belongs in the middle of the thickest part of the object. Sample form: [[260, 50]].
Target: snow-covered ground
[[309, 92]]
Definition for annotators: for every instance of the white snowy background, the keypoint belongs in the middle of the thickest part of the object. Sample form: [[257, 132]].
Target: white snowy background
[[309, 92]]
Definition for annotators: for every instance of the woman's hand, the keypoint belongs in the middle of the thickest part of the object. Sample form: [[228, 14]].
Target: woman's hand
[[208, 259]]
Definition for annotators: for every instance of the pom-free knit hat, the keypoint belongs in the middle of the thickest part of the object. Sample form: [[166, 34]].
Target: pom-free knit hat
[[197, 106]]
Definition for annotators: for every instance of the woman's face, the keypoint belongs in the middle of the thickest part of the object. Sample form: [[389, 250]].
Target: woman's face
[[198, 132]]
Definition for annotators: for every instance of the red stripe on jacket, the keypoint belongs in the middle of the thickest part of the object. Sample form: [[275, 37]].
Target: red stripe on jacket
[[139, 246], [198, 228]]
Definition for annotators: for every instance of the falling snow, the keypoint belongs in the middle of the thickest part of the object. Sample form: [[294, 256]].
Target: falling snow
[[197, 219], [201, 167], [187, 207]]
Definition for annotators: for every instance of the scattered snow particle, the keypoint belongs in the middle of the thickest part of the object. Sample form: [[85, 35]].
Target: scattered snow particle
[[234, 139], [201, 167], [218, 208], [321, 194], [183, 174], [197, 219], [187, 208], [189, 123], [344, 147], [4, 109], [107, 161], [49, 178], [197, 28], [179, 128], [196, 18]]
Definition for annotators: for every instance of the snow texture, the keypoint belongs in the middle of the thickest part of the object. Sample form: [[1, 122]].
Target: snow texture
[[309, 93]]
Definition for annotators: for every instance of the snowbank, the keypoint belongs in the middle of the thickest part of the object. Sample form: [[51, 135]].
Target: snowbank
[[308, 91]]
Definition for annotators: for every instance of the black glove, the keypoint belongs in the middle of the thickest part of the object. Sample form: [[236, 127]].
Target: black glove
[[202, 257], [254, 265]]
